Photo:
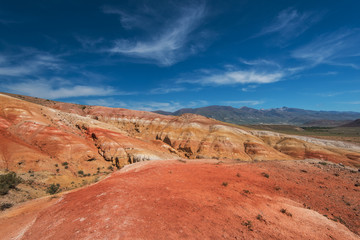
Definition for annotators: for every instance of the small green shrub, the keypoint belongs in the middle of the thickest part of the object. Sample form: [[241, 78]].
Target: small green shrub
[[8, 181], [260, 218], [248, 224], [53, 188], [225, 184], [81, 172], [284, 211], [65, 163], [265, 174], [110, 168], [5, 206]]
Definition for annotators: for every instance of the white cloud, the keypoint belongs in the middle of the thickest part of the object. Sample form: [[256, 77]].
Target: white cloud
[[170, 44], [237, 77], [106, 102], [351, 102], [7, 21], [165, 90], [259, 62], [244, 102], [249, 88], [128, 21], [88, 43], [24, 65], [58, 88], [338, 48], [291, 23], [170, 106], [333, 94]]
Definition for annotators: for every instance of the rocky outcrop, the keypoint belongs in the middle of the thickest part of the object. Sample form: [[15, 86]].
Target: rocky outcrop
[[38, 138], [92, 136]]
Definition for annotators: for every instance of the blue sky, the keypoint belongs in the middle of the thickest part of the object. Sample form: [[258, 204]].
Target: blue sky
[[151, 55]]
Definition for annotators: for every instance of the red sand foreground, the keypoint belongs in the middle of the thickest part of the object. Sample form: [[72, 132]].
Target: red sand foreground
[[200, 200]]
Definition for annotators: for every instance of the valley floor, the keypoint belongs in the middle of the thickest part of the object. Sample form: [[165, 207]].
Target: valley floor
[[200, 199]]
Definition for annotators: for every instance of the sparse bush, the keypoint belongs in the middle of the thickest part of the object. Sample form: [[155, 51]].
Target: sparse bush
[[246, 191], [66, 167], [265, 174], [81, 172], [260, 218], [248, 224], [56, 165], [111, 168], [65, 163], [5, 206], [225, 184], [323, 163], [57, 170], [8, 181], [338, 219], [238, 175], [53, 188], [284, 211]]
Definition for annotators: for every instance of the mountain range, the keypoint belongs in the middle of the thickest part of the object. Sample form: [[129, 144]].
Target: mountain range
[[284, 115]]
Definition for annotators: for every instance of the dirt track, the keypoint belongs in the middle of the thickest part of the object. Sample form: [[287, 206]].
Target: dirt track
[[201, 200]]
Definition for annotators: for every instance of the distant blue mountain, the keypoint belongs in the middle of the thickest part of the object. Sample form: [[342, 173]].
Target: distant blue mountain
[[284, 115]]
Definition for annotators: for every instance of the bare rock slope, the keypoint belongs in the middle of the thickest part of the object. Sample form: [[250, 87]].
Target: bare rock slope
[[200, 200]]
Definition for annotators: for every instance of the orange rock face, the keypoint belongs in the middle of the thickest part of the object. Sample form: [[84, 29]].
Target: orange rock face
[[200, 200], [35, 137]]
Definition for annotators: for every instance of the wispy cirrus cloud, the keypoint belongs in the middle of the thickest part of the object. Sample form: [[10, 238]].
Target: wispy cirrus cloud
[[87, 42], [290, 23], [351, 102], [169, 106], [260, 62], [337, 48], [167, 45], [166, 90], [243, 102], [45, 88], [333, 94], [234, 77], [59, 88], [26, 64], [129, 21], [250, 88]]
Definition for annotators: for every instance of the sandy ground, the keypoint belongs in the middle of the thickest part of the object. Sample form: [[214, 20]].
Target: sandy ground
[[200, 200]]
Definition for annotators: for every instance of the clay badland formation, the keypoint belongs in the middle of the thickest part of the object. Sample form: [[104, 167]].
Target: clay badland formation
[[234, 195]]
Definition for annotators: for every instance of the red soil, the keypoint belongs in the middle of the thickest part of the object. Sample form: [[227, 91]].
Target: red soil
[[204, 200]]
